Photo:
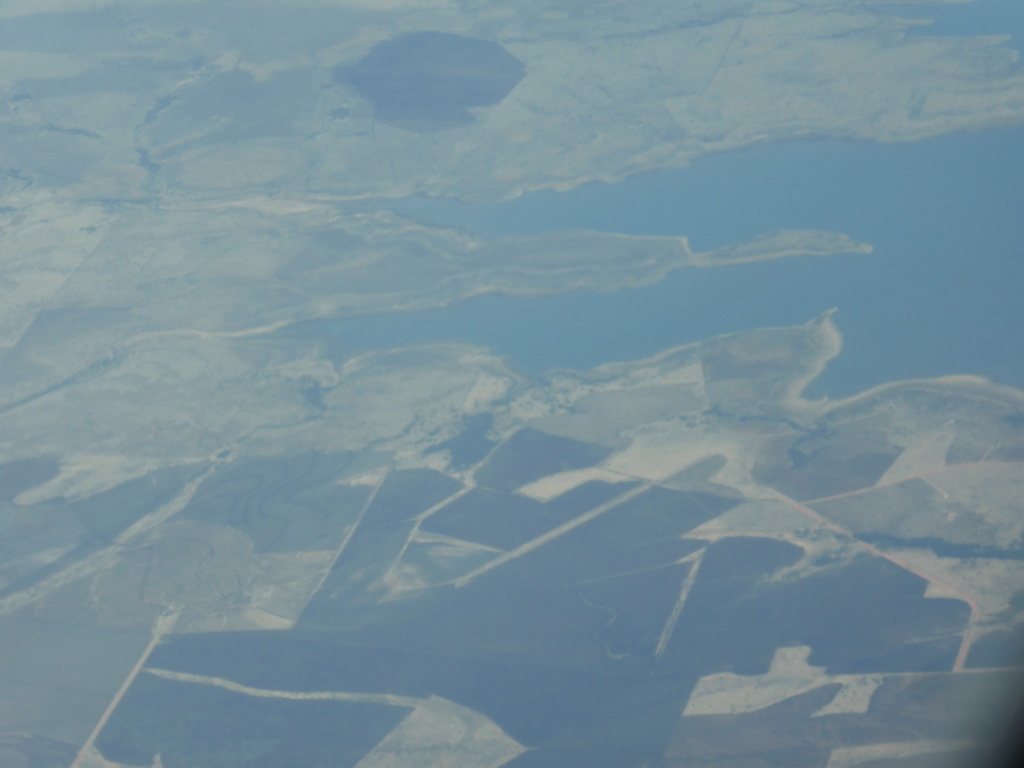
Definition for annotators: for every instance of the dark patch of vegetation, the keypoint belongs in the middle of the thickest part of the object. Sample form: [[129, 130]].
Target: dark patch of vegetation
[[202, 726], [537, 701], [406, 493], [530, 455], [865, 616], [1002, 648], [426, 81], [820, 475], [506, 520], [1009, 453], [471, 444], [20, 475], [638, 605]]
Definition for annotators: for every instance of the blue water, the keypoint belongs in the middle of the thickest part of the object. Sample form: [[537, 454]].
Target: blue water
[[941, 294], [985, 17]]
